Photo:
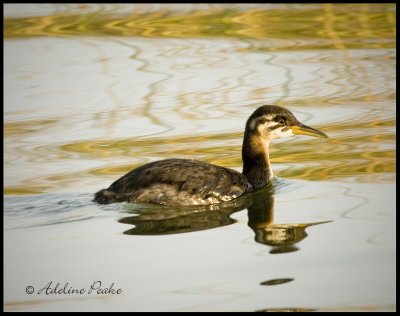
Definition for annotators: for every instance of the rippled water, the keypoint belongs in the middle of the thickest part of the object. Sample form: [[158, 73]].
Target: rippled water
[[92, 91]]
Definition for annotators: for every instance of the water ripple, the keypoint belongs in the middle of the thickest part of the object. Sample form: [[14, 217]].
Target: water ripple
[[335, 25]]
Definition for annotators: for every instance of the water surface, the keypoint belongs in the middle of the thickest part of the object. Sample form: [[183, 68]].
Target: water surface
[[92, 91]]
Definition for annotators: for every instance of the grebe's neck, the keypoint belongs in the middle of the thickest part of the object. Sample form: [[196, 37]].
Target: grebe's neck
[[255, 156]]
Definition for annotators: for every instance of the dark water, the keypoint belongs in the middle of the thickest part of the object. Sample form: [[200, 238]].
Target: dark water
[[92, 91]]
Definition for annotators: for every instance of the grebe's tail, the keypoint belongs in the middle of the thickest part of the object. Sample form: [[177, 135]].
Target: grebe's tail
[[106, 196]]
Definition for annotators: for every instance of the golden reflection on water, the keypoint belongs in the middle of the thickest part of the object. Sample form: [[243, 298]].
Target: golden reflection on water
[[329, 25]]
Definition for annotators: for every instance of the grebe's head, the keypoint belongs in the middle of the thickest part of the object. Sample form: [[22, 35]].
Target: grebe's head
[[273, 121]]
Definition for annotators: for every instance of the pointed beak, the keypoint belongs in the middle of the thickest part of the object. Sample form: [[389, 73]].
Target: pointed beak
[[306, 130]]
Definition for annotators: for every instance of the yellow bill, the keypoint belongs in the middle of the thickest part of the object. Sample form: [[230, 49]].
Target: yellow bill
[[306, 130]]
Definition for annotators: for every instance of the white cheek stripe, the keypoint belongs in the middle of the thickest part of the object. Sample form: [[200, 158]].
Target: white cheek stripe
[[266, 126], [254, 121], [268, 117]]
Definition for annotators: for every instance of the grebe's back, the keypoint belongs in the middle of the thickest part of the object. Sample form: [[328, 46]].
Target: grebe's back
[[176, 182]]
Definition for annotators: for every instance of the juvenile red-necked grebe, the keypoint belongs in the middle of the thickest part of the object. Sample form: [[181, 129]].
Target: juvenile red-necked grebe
[[193, 182]]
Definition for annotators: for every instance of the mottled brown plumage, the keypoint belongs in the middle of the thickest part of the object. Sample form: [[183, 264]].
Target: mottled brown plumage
[[176, 181], [193, 182]]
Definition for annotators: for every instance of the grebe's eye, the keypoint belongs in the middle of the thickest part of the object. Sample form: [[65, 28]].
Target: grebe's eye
[[282, 121]]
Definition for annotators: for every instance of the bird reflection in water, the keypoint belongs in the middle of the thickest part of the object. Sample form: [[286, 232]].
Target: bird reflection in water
[[163, 220], [281, 237]]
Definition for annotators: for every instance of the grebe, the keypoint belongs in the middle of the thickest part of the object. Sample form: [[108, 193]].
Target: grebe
[[192, 182]]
